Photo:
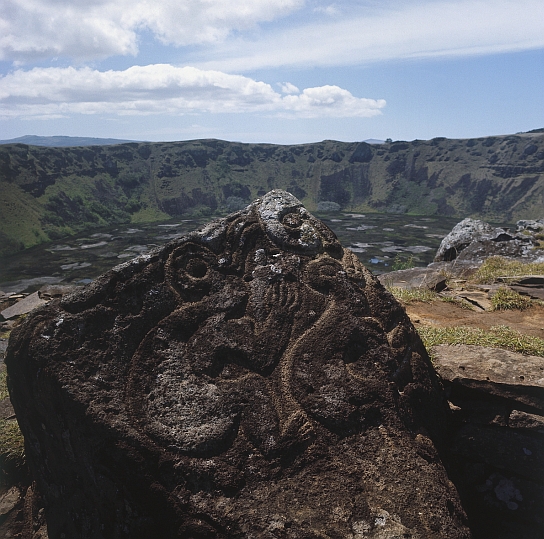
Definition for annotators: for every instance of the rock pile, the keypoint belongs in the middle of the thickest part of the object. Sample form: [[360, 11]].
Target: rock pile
[[252, 379]]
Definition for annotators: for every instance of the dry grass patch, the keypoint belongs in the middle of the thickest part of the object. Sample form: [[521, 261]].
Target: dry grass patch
[[12, 444], [410, 295], [3, 386], [424, 295], [496, 267], [494, 337], [505, 298]]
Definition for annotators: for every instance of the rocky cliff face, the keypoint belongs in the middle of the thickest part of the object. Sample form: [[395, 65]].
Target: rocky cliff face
[[252, 379], [49, 192]]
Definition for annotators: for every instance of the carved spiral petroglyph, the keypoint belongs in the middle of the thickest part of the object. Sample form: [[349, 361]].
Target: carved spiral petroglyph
[[254, 345]]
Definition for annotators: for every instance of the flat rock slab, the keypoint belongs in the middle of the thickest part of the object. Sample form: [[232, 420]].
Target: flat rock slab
[[524, 421], [23, 306], [415, 278], [52, 291], [480, 300], [534, 292], [502, 373], [250, 380]]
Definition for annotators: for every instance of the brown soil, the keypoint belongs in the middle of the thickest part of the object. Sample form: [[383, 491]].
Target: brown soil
[[442, 314]]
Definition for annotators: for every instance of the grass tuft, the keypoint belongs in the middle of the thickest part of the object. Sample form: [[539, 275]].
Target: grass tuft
[[495, 267], [12, 447], [410, 295], [3, 386], [495, 337], [402, 263], [424, 295], [505, 299]]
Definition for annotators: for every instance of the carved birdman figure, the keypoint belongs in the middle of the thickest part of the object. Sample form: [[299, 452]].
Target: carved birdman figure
[[250, 380]]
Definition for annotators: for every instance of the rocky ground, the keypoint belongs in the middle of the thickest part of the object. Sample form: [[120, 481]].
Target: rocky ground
[[441, 314]]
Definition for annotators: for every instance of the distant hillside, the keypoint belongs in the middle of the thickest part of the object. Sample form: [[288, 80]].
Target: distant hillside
[[62, 142], [46, 193]]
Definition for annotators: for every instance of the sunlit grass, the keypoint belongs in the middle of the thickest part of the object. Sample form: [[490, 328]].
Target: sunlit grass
[[424, 295], [12, 448], [410, 295], [505, 299], [494, 337], [496, 267]]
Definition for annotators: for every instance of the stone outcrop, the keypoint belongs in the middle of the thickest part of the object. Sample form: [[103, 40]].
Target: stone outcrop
[[472, 240], [251, 379], [497, 443]]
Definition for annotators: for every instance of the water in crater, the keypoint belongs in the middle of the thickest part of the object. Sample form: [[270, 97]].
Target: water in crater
[[377, 239]]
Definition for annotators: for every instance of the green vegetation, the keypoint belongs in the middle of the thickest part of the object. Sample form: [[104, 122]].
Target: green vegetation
[[505, 299], [12, 448], [11, 438], [47, 193], [497, 267], [410, 295], [400, 262], [495, 337], [424, 295]]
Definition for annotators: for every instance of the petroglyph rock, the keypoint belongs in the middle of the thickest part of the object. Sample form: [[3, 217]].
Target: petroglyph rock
[[252, 379]]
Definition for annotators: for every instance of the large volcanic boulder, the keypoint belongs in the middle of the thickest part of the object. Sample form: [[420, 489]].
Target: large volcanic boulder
[[473, 240], [251, 380]]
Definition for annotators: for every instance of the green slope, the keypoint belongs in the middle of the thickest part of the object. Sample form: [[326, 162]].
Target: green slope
[[46, 193]]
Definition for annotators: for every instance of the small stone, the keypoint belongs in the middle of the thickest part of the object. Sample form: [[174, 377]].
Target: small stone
[[9, 500]]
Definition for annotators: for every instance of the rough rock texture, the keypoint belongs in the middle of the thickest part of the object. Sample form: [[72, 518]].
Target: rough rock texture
[[474, 240], [497, 447], [415, 278], [251, 380]]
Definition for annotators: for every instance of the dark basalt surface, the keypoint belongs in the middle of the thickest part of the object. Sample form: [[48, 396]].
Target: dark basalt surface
[[251, 380]]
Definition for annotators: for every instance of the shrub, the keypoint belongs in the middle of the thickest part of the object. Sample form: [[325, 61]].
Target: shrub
[[505, 299], [400, 263]]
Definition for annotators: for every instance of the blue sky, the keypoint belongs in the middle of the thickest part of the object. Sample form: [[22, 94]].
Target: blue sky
[[281, 71]]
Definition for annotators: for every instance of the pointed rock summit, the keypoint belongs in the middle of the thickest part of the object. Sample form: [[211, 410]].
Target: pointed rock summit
[[250, 380]]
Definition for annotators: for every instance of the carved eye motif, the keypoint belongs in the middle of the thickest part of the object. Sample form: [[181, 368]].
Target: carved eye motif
[[196, 268], [189, 271]]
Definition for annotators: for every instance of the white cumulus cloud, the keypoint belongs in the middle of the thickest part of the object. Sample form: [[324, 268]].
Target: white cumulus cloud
[[165, 89], [330, 101], [34, 29], [288, 88]]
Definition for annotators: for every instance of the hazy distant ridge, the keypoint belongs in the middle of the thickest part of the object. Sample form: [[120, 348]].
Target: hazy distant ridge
[[63, 142]]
